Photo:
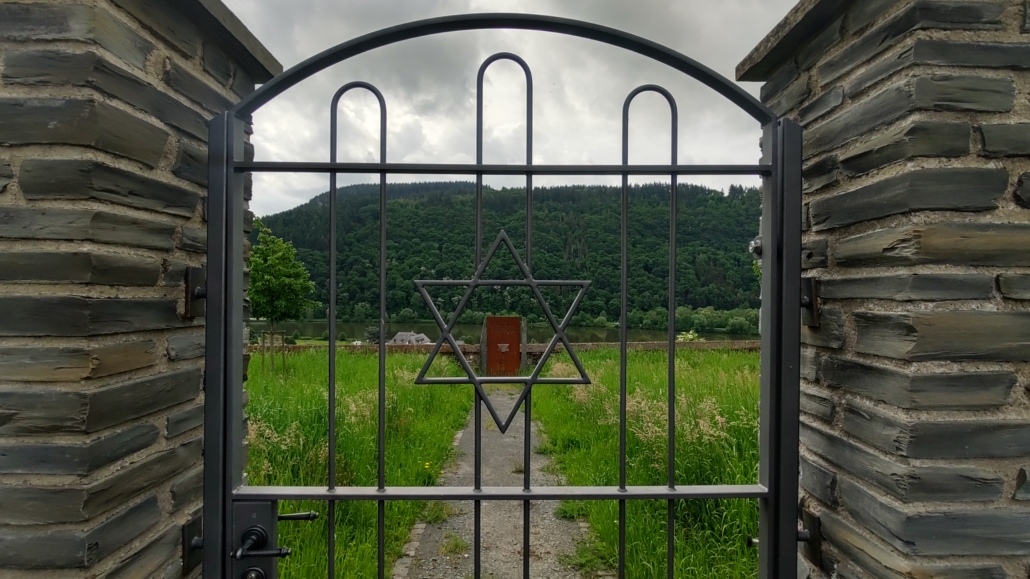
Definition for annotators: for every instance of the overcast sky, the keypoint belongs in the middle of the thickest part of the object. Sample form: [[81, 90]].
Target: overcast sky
[[429, 85]]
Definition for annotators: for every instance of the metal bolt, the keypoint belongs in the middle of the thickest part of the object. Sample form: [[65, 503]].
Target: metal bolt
[[254, 573], [755, 247]]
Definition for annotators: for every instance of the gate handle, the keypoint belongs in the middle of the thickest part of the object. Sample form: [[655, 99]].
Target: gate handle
[[255, 538], [279, 553], [308, 516]]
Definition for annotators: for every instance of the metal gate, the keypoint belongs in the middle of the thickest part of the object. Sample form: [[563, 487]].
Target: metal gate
[[240, 522]]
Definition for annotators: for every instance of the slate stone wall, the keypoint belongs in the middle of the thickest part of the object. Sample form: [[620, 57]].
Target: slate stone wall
[[103, 127], [915, 412]]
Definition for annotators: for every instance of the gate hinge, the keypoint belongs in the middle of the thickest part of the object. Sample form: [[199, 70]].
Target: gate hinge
[[196, 292], [813, 542], [809, 302], [192, 545]]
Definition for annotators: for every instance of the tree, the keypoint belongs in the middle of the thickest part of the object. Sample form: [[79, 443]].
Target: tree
[[279, 283], [576, 236]]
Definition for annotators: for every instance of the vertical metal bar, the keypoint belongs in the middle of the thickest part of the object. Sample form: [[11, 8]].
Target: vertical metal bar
[[623, 337], [381, 434], [670, 548], [529, 178], [769, 321], [479, 256], [790, 336], [478, 507], [526, 453], [479, 176], [623, 321], [478, 475], [529, 149], [331, 519], [216, 487], [781, 291], [671, 528], [235, 294]]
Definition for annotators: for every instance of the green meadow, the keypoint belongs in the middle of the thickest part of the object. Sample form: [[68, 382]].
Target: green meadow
[[288, 435], [716, 440], [716, 443]]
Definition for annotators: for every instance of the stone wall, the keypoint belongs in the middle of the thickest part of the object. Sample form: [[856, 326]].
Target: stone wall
[[916, 420], [103, 127]]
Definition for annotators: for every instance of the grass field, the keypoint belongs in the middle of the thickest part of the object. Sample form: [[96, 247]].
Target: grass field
[[288, 441], [716, 444]]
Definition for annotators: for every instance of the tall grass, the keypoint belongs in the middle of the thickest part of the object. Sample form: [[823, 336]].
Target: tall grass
[[716, 416], [288, 445], [716, 443]]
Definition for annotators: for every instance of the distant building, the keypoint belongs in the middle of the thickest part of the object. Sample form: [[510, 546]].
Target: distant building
[[409, 338]]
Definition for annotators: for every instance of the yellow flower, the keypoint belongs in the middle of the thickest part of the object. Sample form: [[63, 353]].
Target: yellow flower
[[427, 465]]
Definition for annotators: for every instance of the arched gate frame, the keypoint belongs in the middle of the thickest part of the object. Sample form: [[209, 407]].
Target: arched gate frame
[[233, 545]]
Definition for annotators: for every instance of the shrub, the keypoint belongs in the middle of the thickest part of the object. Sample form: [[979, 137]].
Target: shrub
[[582, 319], [372, 334], [635, 319], [684, 321], [295, 335], [656, 319], [290, 340], [325, 335], [738, 326], [471, 317]]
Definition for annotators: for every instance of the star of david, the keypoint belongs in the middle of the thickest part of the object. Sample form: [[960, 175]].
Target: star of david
[[471, 377]]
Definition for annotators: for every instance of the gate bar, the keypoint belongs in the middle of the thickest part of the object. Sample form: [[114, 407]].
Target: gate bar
[[670, 547], [500, 493], [223, 377], [781, 350], [498, 169]]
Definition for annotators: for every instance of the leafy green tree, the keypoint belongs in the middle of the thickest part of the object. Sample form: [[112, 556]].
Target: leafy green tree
[[576, 236], [279, 283]]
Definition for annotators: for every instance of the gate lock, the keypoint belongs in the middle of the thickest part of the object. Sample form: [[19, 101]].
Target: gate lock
[[256, 529]]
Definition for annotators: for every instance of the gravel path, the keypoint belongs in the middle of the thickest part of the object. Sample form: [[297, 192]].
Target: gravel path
[[444, 550]]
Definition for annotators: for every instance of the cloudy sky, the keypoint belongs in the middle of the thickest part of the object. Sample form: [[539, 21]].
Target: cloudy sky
[[429, 85]]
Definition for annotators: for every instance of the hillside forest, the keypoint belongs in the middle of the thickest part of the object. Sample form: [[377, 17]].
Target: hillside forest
[[576, 236]]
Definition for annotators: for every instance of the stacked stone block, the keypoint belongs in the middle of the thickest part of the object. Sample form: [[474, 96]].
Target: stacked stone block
[[915, 413], [103, 172]]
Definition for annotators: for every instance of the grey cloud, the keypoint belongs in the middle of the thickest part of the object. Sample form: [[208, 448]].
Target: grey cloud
[[429, 85]]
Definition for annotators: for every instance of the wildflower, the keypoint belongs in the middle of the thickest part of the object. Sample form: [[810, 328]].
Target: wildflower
[[427, 465]]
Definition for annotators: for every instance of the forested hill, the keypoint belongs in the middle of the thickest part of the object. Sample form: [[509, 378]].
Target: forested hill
[[431, 232]]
